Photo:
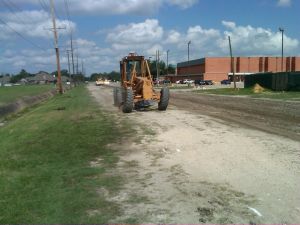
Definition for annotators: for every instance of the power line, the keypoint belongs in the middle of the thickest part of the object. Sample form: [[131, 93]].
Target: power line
[[13, 10], [15, 6], [71, 33], [19, 34], [44, 6], [67, 9]]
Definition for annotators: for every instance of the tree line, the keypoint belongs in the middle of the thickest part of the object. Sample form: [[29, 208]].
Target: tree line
[[23, 74], [114, 75]]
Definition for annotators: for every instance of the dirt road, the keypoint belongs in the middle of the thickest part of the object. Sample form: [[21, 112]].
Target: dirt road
[[192, 164], [273, 116]]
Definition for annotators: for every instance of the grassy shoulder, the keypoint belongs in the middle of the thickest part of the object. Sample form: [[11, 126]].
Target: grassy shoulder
[[46, 175], [175, 87], [295, 96], [12, 94]]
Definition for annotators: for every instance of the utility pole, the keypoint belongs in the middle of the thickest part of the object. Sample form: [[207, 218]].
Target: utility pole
[[158, 68], [72, 52], [232, 62], [82, 69], [77, 66], [59, 84], [189, 43], [69, 66], [282, 31], [156, 60], [168, 62]]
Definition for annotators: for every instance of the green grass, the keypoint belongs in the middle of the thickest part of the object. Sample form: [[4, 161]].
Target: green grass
[[249, 92], [45, 172], [12, 94], [181, 87], [175, 87]]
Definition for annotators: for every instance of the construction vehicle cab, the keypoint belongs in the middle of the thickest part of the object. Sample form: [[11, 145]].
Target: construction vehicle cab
[[137, 89]]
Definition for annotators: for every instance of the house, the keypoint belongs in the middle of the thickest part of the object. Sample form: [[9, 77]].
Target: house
[[4, 80], [41, 78]]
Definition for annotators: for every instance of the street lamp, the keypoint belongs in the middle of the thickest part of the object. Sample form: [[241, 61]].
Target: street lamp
[[168, 62], [189, 43], [282, 31]]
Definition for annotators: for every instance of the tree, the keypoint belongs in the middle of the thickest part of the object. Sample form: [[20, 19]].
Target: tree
[[172, 69], [95, 76], [63, 73], [114, 76], [78, 77], [162, 67], [23, 74]]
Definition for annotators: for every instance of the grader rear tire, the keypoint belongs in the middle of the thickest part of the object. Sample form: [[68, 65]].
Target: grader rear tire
[[128, 101], [164, 99]]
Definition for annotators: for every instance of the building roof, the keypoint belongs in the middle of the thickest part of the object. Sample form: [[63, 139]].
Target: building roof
[[191, 63], [5, 79], [42, 77], [65, 79]]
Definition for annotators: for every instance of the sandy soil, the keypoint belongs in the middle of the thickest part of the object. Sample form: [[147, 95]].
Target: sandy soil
[[192, 167]]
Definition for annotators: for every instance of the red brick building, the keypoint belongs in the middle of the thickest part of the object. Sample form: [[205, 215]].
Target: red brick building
[[219, 68]]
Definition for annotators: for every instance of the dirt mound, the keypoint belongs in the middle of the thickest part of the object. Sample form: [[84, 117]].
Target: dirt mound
[[257, 89]]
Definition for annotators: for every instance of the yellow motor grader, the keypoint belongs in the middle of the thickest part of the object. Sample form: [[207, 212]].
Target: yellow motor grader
[[137, 89]]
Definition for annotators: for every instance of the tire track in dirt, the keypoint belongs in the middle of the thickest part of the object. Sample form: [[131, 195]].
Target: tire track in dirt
[[276, 117]]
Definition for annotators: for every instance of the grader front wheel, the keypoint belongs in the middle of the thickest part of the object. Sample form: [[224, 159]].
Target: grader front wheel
[[164, 99], [127, 101]]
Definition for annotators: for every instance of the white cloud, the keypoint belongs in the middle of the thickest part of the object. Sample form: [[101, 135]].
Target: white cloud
[[204, 42], [148, 36], [184, 4], [173, 37], [29, 58], [136, 36], [33, 23], [248, 40], [117, 7], [284, 3], [96, 58]]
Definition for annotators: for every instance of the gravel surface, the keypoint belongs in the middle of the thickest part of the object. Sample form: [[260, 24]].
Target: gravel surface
[[229, 161]]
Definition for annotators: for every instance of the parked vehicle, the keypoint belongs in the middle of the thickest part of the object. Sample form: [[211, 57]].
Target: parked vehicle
[[188, 81], [200, 82], [209, 82], [226, 82], [166, 82], [179, 82]]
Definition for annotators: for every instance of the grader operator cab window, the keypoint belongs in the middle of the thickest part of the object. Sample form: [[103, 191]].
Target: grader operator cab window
[[130, 66]]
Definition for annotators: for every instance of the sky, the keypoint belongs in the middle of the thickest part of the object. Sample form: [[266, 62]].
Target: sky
[[105, 31]]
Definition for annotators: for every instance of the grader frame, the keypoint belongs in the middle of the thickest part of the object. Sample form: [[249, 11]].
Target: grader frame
[[137, 89]]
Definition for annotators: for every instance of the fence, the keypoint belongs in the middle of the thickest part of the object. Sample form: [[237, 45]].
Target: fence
[[289, 81]]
